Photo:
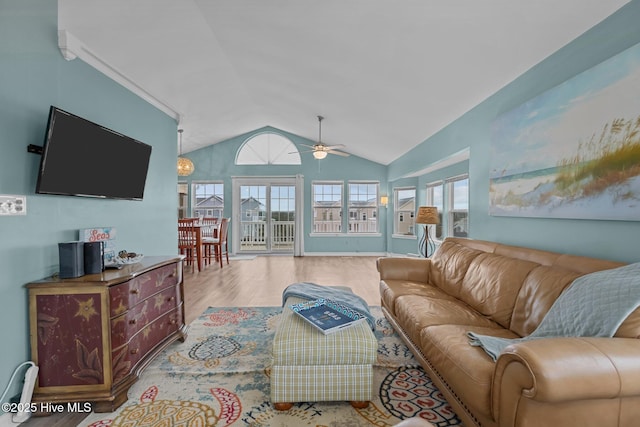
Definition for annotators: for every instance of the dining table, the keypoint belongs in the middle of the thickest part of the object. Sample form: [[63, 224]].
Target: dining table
[[200, 229]]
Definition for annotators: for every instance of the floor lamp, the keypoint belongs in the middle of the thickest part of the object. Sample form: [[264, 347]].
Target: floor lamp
[[427, 215]]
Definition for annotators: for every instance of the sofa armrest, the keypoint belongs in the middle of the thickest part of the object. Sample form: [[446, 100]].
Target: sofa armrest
[[565, 369], [414, 269]]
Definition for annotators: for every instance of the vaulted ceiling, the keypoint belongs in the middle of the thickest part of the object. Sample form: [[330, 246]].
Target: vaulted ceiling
[[385, 74]]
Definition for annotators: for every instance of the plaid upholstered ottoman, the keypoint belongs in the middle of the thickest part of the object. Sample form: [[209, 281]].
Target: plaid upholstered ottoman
[[309, 366]]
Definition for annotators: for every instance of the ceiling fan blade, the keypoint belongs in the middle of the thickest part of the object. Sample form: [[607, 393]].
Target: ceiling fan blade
[[308, 146], [339, 153], [331, 147]]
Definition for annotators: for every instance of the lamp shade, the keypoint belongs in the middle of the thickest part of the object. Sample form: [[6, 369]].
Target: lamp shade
[[428, 215], [185, 166]]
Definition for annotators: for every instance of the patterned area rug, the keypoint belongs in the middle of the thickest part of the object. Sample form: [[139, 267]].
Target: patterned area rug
[[220, 377]]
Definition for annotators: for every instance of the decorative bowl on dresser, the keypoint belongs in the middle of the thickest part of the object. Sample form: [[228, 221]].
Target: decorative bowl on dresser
[[93, 335]]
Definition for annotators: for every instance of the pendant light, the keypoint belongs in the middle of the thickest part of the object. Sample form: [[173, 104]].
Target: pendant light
[[185, 166]]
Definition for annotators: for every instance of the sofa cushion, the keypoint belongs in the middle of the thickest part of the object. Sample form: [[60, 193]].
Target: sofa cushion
[[416, 312], [449, 265], [391, 289], [492, 284], [467, 369], [538, 293]]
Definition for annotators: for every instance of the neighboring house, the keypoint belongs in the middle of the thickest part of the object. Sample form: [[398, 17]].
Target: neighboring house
[[363, 216], [406, 214], [251, 209], [212, 206]]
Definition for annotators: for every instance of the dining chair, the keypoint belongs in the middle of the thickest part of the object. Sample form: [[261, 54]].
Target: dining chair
[[214, 246], [187, 240], [209, 233], [210, 228]]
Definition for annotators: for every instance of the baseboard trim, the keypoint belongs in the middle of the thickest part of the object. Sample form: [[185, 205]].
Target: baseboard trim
[[378, 254]]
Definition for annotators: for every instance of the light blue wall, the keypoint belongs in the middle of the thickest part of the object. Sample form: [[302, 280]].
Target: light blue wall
[[33, 76], [216, 162], [616, 240]]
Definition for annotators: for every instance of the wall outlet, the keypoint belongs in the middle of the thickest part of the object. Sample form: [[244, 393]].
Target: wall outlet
[[13, 205]]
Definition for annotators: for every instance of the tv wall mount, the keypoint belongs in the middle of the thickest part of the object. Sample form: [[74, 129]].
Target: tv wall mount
[[35, 149]]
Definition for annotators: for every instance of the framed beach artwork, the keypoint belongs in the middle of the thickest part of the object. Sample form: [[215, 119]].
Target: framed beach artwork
[[573, 151]]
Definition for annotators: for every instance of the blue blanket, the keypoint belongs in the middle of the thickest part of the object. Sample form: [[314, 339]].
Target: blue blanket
[[311, 291], [594, 305]]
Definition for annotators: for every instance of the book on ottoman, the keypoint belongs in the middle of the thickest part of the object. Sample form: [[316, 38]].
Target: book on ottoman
[[327, 316]]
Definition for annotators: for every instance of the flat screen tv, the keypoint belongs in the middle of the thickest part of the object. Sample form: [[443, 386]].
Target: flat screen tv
[[82, 158]]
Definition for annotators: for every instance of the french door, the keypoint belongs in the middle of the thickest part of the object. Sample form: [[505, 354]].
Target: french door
[[266, 215]]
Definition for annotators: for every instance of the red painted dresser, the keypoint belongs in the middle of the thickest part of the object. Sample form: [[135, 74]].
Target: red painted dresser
[[92, 336]]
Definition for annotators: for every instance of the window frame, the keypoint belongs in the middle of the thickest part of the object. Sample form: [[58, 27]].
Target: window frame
[[397, 214], [437, 230], [207, 212], [452, 210], [373, 209], [268, 148], [326, 214]]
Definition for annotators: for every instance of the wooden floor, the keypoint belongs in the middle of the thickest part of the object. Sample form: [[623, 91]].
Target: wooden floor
[[260, 281], [254, 283]]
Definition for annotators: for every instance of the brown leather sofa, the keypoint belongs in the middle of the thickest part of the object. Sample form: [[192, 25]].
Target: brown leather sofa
[[494, 289]]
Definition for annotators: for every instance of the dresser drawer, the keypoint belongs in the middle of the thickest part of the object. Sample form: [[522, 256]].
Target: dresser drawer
[[128, 294], [125, 358], [126, 325]]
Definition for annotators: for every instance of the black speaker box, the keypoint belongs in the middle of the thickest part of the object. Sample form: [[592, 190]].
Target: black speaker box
[[71, 259], [93, 261]]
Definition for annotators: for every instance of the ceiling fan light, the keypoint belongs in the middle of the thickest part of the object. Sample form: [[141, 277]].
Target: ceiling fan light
[[318, 154]]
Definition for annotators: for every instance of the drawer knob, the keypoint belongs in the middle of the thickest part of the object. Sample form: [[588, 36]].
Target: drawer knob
[[133, 321], [172, 322], [135, 291], [171, 299], [134, 351]]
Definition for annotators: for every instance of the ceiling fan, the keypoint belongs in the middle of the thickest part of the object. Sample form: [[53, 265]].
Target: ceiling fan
[[321, 150]]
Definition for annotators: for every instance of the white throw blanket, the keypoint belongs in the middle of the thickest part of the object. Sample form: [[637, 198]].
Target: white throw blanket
[[594, 305]]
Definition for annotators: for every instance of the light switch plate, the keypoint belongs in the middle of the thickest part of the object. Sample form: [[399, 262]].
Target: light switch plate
[[13, 205]]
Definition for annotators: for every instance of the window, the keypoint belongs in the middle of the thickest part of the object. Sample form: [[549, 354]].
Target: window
[[363, 207], [208, 199], [327, 207], [404, 208], [183, 190], [435, 197], [458, 210], [268, 149]]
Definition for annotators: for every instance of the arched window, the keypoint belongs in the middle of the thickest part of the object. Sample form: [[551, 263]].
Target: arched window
[[268, 149]]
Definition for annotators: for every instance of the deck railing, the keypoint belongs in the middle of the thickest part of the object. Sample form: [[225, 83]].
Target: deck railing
[[253, 237]]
